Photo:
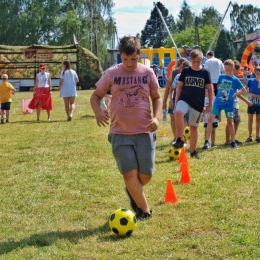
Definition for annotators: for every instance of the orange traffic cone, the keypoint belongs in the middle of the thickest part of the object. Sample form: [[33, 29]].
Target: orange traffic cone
[[170, 196], [185, 160], [181, 155], [185, 176], [164, 132]]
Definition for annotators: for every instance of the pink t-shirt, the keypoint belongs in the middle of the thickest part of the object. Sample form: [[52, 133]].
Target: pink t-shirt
[[130, 111]]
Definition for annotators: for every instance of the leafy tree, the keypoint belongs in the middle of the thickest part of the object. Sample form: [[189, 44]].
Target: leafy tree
[[244, 19], [186, 18], [187, 38], [210, 16], [241, 49], [222, 50], [154, 33]]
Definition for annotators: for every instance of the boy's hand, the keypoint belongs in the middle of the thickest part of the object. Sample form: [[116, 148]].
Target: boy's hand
[[153, 125], [102, 118], [208, 109], [252, 95], [164, 105]]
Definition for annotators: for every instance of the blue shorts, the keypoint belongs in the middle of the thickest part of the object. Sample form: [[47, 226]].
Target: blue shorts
[[6, 106], [216, 111], [253, 110], [214, 125], [134, 152]]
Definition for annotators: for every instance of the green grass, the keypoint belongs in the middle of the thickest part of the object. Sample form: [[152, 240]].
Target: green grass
[[59, 183]]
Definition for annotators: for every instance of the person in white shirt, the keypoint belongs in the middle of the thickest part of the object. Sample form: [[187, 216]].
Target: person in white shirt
[[215, 68]]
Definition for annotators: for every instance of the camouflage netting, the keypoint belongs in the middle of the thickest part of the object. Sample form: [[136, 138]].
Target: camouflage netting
[[21, 62]]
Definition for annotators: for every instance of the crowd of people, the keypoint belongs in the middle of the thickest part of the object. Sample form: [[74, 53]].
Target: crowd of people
[[199, 94], [42, 99]]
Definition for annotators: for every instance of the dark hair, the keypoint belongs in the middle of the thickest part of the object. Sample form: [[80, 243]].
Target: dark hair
[[210, 53], [186, 64], [66, 63], [129, 45], [180, 61], [237, 65]]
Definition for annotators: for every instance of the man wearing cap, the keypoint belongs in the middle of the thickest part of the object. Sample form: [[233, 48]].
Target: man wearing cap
[[215, 68], [6, 89]]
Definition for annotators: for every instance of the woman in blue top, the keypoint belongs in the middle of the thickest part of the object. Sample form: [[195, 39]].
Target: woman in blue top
[[67, 87]]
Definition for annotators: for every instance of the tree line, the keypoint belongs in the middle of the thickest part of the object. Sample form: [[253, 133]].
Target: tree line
[[244, 19], [53, 22]]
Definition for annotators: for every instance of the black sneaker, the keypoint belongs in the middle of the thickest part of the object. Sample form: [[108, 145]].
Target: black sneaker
[[133, 205], [179, 143], [7, 121], [143, 215], [195, 155], [234, 145], [249, 139], [206, 145], [238, 142]]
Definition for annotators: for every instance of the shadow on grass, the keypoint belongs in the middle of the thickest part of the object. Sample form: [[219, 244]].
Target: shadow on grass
[[88, 116], [49, 238], [35, 122]]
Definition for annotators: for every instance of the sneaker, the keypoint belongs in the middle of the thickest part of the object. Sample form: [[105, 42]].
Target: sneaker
[[234, 145], [195, 155], [179, 143], [49, 119], [206, 145], [258, 140], [249, 139], [2, 121], [69, 118], [238, 142], [7, 121], [133, 205], [143, 215]]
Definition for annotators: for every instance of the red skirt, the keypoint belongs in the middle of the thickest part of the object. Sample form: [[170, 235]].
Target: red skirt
[[43, 95]]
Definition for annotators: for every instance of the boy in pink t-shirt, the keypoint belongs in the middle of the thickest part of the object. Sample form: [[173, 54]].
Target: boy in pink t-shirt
[[132, 128]]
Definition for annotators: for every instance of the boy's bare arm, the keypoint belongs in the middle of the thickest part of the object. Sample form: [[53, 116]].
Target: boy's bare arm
[[101, 116], [157, 110], [210, 97], [166, 92], [178, 93]]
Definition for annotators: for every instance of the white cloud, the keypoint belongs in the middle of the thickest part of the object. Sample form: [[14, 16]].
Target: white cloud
[[132, 15]]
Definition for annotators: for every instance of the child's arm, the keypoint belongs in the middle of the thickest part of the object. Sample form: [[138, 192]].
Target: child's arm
[[101, 116], [179, 89], [157, 109], [166, 91], [36, 84], [49, 82], [245, 100], [210, 97], [171, 97]]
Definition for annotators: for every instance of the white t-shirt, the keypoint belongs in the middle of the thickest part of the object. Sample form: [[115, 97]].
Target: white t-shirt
[[215, 68], [206, 116]]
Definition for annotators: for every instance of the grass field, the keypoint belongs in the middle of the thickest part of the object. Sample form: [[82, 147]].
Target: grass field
[[59, 184]]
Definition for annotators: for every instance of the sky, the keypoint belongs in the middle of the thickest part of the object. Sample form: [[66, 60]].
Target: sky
[[131, 15]]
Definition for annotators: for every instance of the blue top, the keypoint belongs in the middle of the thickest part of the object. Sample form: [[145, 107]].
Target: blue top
[[254, 88], [228, 86]]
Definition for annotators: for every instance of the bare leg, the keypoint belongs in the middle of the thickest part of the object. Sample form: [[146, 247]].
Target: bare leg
[[72, 105], [179, 123], [7, 114], [250, 124], [67, 106], [209, 126], [173, 126], [2, 113], [213, 135], [48, 114], [236, 127], [227, 135], [231, 128], [134, 182], [193, 138], [39, 110], [257, 125]]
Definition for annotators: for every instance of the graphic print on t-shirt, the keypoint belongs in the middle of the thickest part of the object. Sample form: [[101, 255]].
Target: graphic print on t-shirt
[[132, 96], [133, 91], [194, 82], [224, 89]]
